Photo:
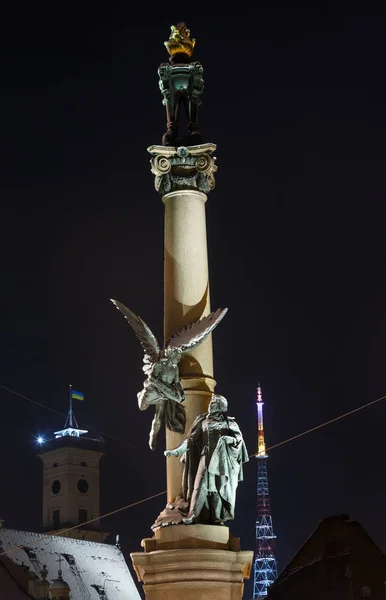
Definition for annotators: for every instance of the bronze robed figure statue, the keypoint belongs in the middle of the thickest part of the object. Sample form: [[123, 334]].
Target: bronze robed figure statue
[[181, 83], [213, 454]]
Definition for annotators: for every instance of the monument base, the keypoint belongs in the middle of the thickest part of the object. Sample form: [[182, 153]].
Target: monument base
[[193, 562]]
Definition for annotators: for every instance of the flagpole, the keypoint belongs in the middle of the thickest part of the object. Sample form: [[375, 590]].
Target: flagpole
[[70, 411]]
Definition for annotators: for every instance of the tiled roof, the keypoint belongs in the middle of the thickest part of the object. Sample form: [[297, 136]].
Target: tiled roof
[[88, 567]]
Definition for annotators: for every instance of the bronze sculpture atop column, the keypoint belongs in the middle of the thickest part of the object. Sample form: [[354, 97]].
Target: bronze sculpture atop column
[[181, 83]]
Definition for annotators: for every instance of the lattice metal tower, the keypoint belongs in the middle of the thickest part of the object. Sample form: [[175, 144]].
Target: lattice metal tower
[[265, 567]]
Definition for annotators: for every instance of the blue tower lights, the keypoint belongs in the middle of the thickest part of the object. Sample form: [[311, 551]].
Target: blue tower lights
[[265, 566]]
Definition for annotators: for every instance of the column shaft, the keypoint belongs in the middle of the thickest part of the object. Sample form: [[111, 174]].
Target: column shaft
[[187, 299]]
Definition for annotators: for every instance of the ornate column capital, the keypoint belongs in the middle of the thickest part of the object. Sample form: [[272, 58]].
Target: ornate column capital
[[183, 168]]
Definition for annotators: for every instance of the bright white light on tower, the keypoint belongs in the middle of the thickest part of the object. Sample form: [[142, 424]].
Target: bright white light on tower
[[40, 440]]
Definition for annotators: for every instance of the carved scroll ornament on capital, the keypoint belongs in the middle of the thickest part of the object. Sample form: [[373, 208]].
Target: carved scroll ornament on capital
[[183, 168]]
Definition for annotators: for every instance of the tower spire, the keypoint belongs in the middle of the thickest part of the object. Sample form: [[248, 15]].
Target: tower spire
[[260, 425], [71, 426], [71, 420], [265, 567]]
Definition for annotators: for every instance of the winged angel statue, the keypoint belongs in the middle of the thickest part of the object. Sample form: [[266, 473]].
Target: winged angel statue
[[163, 388]]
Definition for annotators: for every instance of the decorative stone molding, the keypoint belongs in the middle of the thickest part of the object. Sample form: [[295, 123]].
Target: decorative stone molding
[[185, 167], [188, 537], [193, 562], [193, 574]]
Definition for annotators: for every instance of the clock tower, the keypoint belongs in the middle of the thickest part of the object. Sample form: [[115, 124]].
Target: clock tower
[[71, 482]]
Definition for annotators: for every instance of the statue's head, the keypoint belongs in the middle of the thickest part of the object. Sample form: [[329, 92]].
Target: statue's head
[[218, 404], [171, 355], [180, 41]]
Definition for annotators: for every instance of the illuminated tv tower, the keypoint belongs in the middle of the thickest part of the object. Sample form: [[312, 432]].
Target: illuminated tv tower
[[265, 567]]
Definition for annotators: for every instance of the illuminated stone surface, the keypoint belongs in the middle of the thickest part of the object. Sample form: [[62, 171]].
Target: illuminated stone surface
[[192, 574], [187, 298]]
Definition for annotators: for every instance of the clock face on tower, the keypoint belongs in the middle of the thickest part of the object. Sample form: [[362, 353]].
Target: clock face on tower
[[55, 487], [82, 486]]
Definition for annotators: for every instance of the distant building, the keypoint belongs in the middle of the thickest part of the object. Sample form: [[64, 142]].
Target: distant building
[[339, 561], [77, 565], [71, 483]]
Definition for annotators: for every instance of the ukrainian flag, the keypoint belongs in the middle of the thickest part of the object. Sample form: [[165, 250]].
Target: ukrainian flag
[[77, 395]]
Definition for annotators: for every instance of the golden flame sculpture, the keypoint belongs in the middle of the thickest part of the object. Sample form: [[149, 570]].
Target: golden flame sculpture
[[180, 41]]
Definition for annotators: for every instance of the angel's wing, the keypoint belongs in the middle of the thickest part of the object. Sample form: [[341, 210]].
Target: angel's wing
[[141, 330], [195, 333]]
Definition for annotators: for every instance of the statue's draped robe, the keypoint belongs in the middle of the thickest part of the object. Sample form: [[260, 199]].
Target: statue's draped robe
[[165, 409], [174, 411], [213, 467]]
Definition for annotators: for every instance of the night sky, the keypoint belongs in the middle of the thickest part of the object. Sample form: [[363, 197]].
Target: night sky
[[295, 101]]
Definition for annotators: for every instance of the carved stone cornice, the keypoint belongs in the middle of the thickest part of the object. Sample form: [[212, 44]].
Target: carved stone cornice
[[182, 168]]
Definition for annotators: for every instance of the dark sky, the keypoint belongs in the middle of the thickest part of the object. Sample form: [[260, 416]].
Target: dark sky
[[295, 100]]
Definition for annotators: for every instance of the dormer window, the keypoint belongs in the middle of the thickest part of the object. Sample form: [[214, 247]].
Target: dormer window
[[30, 553], [69, 558]]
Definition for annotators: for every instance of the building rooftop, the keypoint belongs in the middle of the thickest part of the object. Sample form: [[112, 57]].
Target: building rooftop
[[72, 441], [92, 570]]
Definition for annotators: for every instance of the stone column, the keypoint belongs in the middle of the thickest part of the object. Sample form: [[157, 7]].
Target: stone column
[[183, 177], [199, 561]]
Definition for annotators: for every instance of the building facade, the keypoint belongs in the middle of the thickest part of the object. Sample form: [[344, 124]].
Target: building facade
[[71, 485], [339, 561]]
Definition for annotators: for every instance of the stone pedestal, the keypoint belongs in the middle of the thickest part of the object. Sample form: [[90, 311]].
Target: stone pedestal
[[192, 562]]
